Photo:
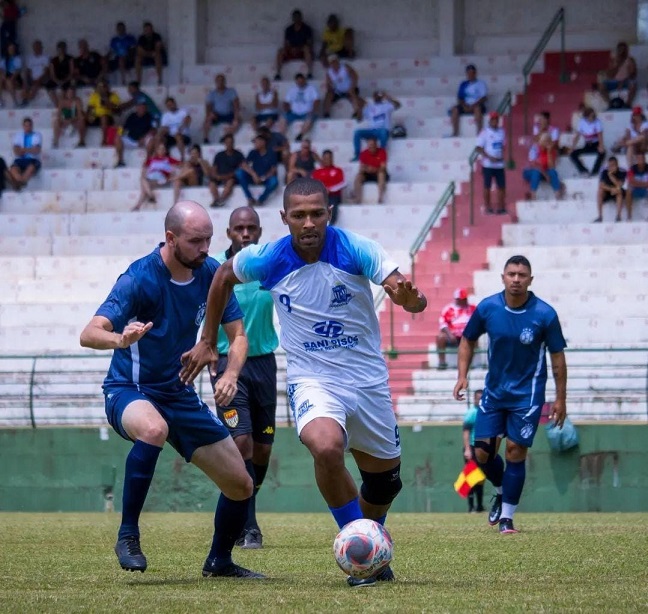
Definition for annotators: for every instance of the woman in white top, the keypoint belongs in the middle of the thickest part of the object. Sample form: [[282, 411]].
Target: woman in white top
[[266, 104], [635, 138], [590, 129]]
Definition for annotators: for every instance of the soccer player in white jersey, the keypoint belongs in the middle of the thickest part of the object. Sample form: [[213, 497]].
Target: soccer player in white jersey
[[319, 278], [150, 318], [520, 328]]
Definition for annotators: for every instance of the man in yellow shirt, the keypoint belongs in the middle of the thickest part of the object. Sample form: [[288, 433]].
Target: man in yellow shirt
[[102, 106], [336, 40]]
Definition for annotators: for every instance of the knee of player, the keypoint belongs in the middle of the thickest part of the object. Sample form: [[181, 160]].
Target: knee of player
[[241, 489], [515, 452], [155, 433], [483, 451], [328, 453], [381, 488]]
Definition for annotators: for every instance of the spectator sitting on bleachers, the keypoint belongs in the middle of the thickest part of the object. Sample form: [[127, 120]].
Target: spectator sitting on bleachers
[[136, 95], [452, 321], [61, 71], [542, 125], [138, 131], [11, 78], [542, 157], [637, 182], [69, 113], [222, 107], [621, 74], [278, 143], [191, 173], [490, 146], [298, 44], [158, 170], [302, 102], [259, 168], [341, 82], [175, 127], [635, 138], [373, 168], [150, 52], [610, 187], [333, 179], [302, 162], [591, 129], [471, 100], [90, 67], [376, 121], [223, 172], [11, 13], [37, 72], [336, 41], [27, 147], [121, 55], [103, 105], [266, 106]]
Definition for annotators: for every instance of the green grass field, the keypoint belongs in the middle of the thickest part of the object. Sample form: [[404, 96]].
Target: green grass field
[[443, 563]]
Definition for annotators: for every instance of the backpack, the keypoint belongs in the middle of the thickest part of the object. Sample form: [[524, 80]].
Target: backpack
[[399, 132]]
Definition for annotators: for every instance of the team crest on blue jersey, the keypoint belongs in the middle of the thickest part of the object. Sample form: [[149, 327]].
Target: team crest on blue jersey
[[201, 314], [526, 431], [340, 296], [328, 328], [526, 336]]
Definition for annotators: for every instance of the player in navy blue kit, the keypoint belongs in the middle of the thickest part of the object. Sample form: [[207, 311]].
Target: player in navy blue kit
[[520, 328], [151, 316], [250, 416]]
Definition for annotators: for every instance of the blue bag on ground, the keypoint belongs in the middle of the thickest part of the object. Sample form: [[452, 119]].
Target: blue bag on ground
[[563, 439]]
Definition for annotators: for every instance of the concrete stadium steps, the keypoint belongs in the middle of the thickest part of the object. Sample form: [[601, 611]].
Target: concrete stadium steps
[[573, 257], [624, 233], [574, 211]]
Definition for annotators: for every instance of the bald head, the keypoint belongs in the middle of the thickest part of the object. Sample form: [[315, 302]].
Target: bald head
[[186, 213]]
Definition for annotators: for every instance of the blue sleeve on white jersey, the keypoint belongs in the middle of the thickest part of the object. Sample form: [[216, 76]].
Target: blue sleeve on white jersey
[[122, 302], [476, 326], [359, 255], [554, 336], [252, 263]]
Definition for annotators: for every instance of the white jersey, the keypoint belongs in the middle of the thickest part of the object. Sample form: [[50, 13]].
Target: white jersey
[[329, 328], [491, 140], [340, 79], [301, 100], [173, 121]]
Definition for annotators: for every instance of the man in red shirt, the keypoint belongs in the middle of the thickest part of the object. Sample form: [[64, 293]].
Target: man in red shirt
[[453, 320], [373, 167], [333, 179]]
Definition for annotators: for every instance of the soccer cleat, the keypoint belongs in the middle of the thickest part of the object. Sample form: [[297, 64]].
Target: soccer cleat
[[506, 526], [213, 569], [253, 540], [130, 555], [384, 575], [495, 511]]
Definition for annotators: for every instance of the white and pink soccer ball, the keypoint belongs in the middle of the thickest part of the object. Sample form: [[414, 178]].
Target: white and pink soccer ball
[[362, 548]]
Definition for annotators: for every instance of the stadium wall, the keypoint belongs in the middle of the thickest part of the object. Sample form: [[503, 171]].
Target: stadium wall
[[74, 469]]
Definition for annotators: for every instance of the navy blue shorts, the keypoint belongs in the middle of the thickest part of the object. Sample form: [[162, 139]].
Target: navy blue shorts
[[494, 173], [253, 408], [223, 118], [191, 423], [518, 425], [24, 163]]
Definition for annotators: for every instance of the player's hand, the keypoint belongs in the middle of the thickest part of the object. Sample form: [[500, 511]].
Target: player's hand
[[459, 392], [194, 360], [225, 389], [467, 453], [133, 332], [406, 295], [559, 413]]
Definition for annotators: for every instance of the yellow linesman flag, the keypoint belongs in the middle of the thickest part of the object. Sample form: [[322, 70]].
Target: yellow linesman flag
[[470, 476]]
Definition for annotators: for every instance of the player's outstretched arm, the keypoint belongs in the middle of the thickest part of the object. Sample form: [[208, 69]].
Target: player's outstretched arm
[[203, 352], [226, 386], [559, 369], [464, 358], [402, 292], [99, 335]]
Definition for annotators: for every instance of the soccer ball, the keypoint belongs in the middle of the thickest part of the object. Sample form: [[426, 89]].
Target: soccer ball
[[362, 548]]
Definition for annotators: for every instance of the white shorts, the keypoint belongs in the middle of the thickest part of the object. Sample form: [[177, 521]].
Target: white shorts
[[129, 143], [365, 414]]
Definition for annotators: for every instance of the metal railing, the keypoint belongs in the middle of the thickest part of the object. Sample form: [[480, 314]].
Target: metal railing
[[557, 20], [504, 109], [603, 384]]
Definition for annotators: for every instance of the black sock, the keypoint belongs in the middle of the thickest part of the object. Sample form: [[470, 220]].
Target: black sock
[[229, 521], [259, 474], [493, 469], [251, 514]]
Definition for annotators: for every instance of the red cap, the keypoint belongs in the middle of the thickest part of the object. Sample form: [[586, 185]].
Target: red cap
[[637, 111], [493, 115], [461, 293]]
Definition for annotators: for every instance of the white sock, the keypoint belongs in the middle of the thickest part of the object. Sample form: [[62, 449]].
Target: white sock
[[498, 490], [508, 510]]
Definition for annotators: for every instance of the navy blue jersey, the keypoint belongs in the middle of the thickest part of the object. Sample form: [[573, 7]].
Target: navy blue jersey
[[146, 293], [518, 340]]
